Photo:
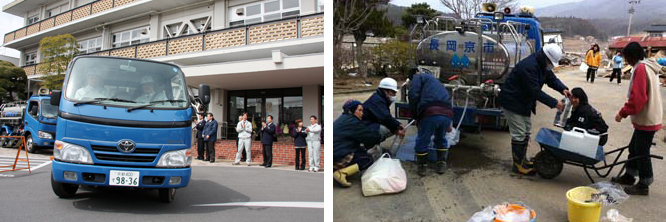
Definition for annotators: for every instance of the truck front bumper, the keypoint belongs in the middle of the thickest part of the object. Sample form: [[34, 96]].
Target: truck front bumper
[[96, 175]]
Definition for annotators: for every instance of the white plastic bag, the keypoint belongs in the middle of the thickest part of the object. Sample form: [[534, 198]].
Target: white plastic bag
[[486, 215], [385, 176], [609, 193], [583, 67], [613, 215], [452, 137]]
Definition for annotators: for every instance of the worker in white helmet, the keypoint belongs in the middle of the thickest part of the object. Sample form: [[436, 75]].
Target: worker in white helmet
[[148, 93], [94, 88], [519, 94], [377, 112]]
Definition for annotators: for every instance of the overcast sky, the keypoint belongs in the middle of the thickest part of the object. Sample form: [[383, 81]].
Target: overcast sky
[[8, 23]]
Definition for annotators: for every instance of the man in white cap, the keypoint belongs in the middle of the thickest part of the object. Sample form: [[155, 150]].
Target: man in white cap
[[148, 92], [377, 112], [519, 94], [94, 89]]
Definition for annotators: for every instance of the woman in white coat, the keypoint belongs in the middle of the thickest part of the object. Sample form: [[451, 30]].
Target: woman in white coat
[[314, 144]]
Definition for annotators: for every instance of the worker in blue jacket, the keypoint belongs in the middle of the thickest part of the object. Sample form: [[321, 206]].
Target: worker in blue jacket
[[350, 138], [377, 112], [519, 94], [431, 105]]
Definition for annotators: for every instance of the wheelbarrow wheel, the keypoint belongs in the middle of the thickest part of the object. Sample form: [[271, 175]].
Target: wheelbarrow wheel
[[547, 165]]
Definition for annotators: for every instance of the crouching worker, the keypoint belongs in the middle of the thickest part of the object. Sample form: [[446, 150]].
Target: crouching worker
[[377, 112], [430, 103], [644, 105], [349, 132], [584, 116]]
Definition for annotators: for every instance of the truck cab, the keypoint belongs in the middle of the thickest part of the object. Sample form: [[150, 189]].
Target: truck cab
[[39, 123], [124, 123]]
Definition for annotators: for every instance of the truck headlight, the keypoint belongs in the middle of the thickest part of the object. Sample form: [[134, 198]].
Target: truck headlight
[[71, 153], [176, 158], [44, 135]]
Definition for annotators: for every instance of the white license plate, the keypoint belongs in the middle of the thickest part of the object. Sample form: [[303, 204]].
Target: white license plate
[[124, 178]]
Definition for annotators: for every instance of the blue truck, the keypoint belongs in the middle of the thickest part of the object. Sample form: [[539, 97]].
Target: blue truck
[[124, 123], [35, 119]]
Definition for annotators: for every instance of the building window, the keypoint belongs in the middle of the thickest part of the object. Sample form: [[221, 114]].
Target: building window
[[90, 46], [56, 10], [30, 58], [33, 20], [263, 11], [131, 37], [293, 110], [320, 5], [285, 105]]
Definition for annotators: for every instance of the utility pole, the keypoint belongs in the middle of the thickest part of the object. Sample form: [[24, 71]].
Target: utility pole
[[631, 14]]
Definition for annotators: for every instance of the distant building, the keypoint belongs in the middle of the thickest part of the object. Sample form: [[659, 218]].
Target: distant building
[[13, 60], [656, 30]]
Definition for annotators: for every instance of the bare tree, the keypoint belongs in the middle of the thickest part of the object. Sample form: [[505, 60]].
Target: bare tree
[[468, 8], [349, 16]]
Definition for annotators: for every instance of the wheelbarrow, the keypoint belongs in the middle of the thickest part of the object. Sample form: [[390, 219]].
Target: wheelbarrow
[[548, 163]]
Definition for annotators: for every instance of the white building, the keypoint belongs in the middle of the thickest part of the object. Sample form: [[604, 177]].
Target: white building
[[265, 57]]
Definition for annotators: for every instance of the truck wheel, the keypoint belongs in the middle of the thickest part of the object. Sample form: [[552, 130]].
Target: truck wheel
[[167, 194], [29, 146], [4, 141], [547, 165], [63, 190]]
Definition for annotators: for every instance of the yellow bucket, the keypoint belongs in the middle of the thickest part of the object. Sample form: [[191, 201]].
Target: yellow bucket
[[578, 210]]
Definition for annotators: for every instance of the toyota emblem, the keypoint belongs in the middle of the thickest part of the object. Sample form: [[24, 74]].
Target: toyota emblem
[[126, 146]]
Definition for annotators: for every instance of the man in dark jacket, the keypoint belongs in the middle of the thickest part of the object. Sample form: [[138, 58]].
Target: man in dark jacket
[[519, 94], [267, 137], [431, 105], [349, 132], [377, 112], [584, 116], [210, 136], [200, 140]]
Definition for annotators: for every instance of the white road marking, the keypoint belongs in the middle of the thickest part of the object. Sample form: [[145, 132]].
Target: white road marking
[[35, 163], [319, 205]]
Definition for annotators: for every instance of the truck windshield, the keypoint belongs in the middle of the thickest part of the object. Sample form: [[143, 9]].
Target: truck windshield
[[49, 111], [126, 83]]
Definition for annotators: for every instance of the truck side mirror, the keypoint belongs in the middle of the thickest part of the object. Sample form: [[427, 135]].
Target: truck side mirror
[[204, 93], [55, 97]]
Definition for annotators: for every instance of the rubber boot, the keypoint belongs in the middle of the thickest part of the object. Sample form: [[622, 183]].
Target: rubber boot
[[441, 160], [421, 162], [341, 175], [519, 150]]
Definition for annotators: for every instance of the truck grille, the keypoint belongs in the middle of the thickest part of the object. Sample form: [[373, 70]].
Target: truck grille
[[121, 157]]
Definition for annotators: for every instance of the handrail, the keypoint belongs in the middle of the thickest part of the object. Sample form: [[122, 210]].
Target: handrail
[[203, 34]]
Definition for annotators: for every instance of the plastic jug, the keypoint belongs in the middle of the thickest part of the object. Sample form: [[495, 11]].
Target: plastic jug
[[579, 141]]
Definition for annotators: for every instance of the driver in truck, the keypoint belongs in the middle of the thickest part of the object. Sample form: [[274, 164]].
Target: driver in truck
[[94, 89], [148, 92]]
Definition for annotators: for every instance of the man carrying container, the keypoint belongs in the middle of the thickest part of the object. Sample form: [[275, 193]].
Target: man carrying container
[[431, 105], [519, 94]]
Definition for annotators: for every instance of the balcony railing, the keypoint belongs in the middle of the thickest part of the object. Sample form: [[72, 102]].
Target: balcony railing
[[289, 28], [65, 17]]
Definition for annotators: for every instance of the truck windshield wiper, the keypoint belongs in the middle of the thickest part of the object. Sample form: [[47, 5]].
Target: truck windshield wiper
[[153, 103], [96, 100]]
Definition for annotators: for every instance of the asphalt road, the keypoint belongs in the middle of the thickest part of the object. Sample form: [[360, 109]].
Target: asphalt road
[[300, 195]]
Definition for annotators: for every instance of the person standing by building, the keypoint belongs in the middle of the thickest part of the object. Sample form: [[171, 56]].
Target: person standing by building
[[593, 59], [267, 136], [300, 144], [201, 144], [210, 136], [519, 94], [617, 67], [314, 144], [644, 105], [244, 129], [244, 156], [430, 103]]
